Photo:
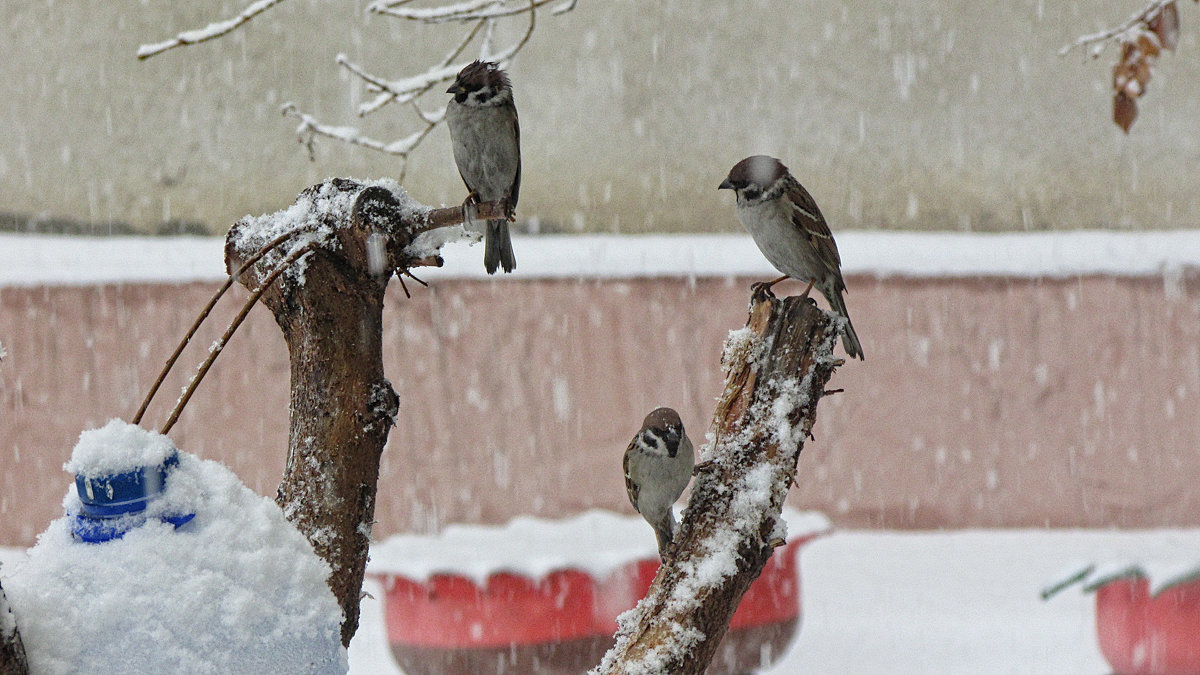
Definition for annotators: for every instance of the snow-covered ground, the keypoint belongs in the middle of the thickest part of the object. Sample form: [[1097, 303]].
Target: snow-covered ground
[[27, 260], [919, 602], [929, 602]]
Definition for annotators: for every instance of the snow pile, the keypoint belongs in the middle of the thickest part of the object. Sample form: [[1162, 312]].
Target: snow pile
[[118, 447], [236, 590], [313, 218], [596, 542]]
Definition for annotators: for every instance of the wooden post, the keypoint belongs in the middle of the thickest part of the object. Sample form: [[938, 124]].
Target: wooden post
[[342, 406], [776, 371]]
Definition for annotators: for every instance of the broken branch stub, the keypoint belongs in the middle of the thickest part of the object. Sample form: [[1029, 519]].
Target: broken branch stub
[[776, 371], [329, 305]]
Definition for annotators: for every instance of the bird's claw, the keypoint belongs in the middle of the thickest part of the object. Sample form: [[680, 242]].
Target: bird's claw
[[761, 290]]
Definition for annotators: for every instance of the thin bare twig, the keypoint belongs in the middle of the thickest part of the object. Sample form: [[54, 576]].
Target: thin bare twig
[[209, 32], [233, 326], [453, 215], [1146, 15], [137, 418]]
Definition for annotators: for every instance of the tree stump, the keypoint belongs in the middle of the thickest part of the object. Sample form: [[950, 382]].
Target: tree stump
[[776, 371], [330, 309]]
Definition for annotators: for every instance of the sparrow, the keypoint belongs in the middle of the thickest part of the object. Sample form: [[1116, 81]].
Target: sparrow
[[789, 229], [658, 466], [486, 139]]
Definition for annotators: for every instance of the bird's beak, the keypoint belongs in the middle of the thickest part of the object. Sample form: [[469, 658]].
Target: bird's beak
[[725, 185], [454, 89]]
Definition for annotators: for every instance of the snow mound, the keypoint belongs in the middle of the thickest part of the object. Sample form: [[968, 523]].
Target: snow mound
[[117, 447], [596, 542], [236, 590]]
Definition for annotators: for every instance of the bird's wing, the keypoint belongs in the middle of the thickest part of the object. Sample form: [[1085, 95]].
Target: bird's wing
[[631, 488], [515, 190], [808, 220]]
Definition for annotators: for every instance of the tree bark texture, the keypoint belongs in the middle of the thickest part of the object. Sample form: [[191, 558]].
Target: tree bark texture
[[777, 368], [330, 309], [12, 652]]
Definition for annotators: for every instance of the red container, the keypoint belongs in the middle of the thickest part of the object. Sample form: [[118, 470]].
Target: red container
[[564, 622], [1142, 634]]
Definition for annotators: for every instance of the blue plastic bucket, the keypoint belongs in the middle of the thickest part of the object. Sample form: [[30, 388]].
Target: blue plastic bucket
[[112, 505]]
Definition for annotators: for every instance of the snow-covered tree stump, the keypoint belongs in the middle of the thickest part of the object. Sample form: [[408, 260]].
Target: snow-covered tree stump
[[776, 371], [12, 652], [350, 238]]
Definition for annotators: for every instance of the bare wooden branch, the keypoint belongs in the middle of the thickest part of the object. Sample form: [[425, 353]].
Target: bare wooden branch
[[776, 371], [162, 375], [219, 346]]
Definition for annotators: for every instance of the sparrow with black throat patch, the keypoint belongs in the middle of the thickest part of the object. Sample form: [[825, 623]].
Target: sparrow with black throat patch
[[658, 465], [486, 138], [789, 229]]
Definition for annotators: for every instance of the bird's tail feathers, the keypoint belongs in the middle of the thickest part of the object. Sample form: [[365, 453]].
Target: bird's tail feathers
[[664, 531], [849, 337], [497, 247]]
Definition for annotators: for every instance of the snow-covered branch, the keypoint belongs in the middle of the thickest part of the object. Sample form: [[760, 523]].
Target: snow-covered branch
[[209, 32], [776, 371], [413, 87], [480, 18], [463, 11], [1098, 40], [310, 127]]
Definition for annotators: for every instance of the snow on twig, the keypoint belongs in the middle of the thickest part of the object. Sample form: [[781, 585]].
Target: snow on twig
[[464, 11], [1144, 16], [209, 32], [409, 88], [482, 15]]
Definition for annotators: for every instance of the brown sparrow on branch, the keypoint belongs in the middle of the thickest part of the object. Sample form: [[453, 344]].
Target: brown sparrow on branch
[[487, 149], [658, 466], [789, 229]]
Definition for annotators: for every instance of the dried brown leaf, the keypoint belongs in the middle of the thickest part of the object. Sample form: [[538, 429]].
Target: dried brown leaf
[[1165, 26], [1124, 111], [1132, 73], [1148, 43]]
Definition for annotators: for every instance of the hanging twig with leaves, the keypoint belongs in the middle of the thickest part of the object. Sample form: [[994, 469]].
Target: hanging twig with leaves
[[1142, 37], [479, 18]]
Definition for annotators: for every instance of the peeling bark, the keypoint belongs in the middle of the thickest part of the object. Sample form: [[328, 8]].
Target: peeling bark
[[776, 372], [342, 407]]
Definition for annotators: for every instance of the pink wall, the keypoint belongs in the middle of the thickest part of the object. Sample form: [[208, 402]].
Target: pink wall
[[983, 402]]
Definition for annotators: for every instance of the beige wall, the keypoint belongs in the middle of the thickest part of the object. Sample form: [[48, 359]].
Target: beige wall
[[949, 114], [983, 403]]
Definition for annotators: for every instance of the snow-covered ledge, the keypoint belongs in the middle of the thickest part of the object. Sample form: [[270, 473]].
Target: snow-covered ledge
[[33, 260]]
